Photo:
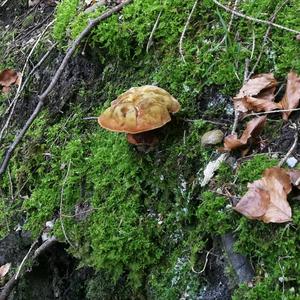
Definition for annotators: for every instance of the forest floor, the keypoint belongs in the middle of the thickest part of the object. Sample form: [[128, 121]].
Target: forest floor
[[84, 214]]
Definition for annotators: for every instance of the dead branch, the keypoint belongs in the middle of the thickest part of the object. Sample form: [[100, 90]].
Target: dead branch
[[237, 13], [61, 206], [7, 289], [54, 80], [270, 112], [150, 41], [21, 86], [184, 30]]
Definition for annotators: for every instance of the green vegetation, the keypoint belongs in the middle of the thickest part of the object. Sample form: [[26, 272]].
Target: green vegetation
[[147, 222]]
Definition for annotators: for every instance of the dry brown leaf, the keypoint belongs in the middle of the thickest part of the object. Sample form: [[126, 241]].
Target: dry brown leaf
[[266, 198], [295, 177], [253, 128], [291, 97], [8, 77], [4, 269], [256, 85]]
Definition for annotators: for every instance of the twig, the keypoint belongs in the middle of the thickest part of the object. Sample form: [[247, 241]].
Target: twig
[[7, 289], [270, 112], [266, 38], [54, 80], [237, 13], [21, 86], [25, 258], [61, 206], [230, 23], [4, 2], [235, 122], [292, 148], [205, 264], [90, 118], [48, 243], [184, 31], [150, 41]]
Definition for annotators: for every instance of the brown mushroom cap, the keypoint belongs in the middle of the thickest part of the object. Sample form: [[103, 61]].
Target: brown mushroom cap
[[139, 109]]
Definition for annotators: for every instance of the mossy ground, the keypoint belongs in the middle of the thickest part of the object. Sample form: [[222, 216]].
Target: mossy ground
[[148, 222]]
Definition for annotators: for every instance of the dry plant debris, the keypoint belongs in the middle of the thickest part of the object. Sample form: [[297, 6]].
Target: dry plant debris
[[253, 129], [291, 97], [258, 94], [4, 269], [9, 77], [266, 198]]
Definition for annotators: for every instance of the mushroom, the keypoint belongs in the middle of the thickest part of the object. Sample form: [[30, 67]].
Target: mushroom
[[139, 110]]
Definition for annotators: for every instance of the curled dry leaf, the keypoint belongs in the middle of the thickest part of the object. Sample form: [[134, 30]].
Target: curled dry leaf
[[253, 129], [266, 198], [257, 94], [256, 85], [291, 97], [4, 269], [9, 77]]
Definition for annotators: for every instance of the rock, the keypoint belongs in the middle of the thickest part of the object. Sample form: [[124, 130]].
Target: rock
[[212, 137], [291, 161]]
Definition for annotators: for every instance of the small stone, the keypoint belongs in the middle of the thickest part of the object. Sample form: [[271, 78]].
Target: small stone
[[291, 161], [212, 137]]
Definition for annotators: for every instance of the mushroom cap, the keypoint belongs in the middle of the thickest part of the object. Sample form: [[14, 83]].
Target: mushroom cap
[[139, 109]]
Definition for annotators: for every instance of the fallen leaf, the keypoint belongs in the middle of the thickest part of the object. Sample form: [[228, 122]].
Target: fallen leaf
[[291, 97], [4, 269], [8, 77], [211, 168], [260, 104], [266, 198], [295, 177], [253, 128], [32, 3], [261, 87], [257, 84]]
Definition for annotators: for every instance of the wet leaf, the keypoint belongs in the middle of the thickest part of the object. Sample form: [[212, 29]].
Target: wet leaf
[[253, 129], [291, 97], [4, 269]]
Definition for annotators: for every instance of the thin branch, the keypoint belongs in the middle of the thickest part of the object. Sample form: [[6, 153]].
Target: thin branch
[[235, 122], [270, 112], [284, 159], [254, 19], [184, 31], [90, 118], [25, 258], [150, 41], [7, 289], [61, 206], [266, 38], [205, 264], [21, 86], [54, 80], [230, 23]]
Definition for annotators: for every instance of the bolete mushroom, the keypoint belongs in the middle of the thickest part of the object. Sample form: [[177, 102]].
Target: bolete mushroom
[[139, 110]]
